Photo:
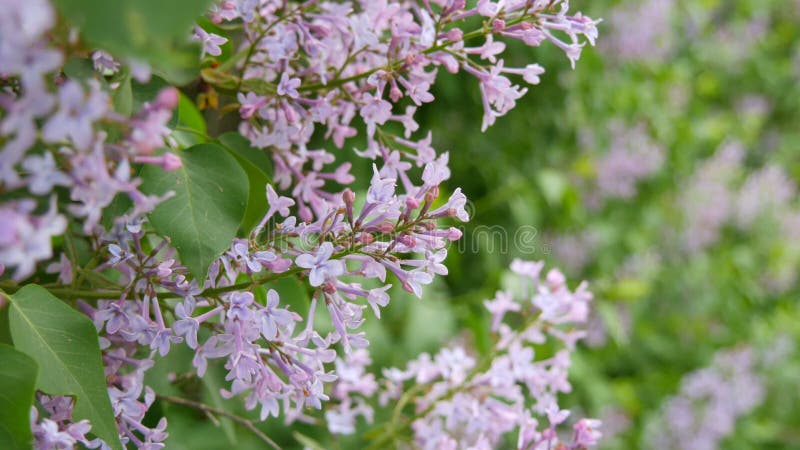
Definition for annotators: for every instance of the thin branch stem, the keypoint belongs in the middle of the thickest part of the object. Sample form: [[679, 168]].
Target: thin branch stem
[[247, 423]]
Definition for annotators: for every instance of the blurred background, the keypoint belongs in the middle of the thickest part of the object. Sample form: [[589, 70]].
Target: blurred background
[[664, 171]]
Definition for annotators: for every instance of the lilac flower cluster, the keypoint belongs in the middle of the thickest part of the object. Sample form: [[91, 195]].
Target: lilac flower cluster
[[640, 31], [710, 186], [270, 360], [359, 60], [461, 402], [57, 431], [716, 196], [709, 403], [51, 136], [632, 156], [575, 250]]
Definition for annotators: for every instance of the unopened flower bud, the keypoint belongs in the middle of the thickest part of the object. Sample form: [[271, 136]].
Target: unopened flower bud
[[386, 227], [305, 213], [454, 234], [395, 93], [432, 194], [366, 238], [328, 287], [170, 162], [348, 196], [167, 98], [289, 112], [455, 35], [498, 25], [407, 240], [411, 203]]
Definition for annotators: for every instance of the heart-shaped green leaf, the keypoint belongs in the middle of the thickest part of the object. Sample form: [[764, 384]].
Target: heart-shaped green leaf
[[258, 167], [202, 218], [64, 344]]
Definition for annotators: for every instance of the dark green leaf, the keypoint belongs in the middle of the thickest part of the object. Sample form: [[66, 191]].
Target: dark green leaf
[[202, 218], [258, 168], [18, 374], [147, 92], [119, 205], [79, 69], [64, 343]]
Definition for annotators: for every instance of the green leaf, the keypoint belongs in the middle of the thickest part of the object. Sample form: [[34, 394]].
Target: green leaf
[[307, 441], [191, 126], [291, 291], [146, 92], [79, 69], [258, 167], [552, 185], [241, 146], [123, 97], [202, 218], [120, 204], [18, 375], [213, 382], [64, 344], [144, 29]]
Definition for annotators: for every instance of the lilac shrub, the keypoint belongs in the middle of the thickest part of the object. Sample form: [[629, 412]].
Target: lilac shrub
[[640, 33], [81, 162], [709, 402]]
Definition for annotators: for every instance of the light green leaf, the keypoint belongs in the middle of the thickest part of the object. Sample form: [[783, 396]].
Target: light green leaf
[[18, 374], [190, 128], [202, 218], [64, 344], [258, 167], [552, 185], [123, 97], [144, 29], [307, 441]]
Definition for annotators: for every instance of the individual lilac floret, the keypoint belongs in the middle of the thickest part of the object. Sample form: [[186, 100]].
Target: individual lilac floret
[[210, 42], [104, 62], [322, 267]]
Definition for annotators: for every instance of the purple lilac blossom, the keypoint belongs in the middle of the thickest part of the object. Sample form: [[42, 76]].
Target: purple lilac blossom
[[472, 405], [708, 404], [708, 199], [632, 156], [640, 31]]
